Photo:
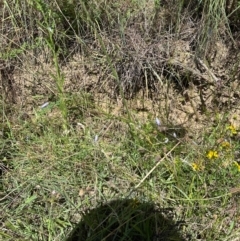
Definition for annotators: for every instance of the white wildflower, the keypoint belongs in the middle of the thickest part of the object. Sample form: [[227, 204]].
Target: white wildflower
[[158, 122]]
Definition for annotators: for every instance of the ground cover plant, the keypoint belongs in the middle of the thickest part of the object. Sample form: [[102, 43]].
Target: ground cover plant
[[119, 120]]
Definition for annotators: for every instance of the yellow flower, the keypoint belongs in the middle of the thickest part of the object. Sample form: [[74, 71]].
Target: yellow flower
[[233, 129], [195, 167], [212, 154], [225, 144], [238, 165], [198, 165]]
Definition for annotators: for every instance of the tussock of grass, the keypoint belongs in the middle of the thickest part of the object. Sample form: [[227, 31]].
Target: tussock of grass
[[80, 160]]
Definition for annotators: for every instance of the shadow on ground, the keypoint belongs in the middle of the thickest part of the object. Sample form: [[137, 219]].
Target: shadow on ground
[[125, 220]]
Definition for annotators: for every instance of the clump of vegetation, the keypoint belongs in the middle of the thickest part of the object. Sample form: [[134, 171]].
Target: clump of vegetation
[[119, 119]]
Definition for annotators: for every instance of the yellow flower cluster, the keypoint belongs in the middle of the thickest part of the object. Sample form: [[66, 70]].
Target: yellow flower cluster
[[212, 154], [197, 167], [225, 144], [232, 129], [224, 150]]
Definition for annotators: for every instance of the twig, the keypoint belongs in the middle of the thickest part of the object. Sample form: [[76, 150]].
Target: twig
[[208, 70], [156, 166]]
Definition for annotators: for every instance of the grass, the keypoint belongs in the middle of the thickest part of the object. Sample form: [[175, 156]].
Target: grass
[[52, 177], [85, 160]]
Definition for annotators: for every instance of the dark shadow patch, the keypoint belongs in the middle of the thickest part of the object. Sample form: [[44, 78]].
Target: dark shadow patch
[[126, 220]]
